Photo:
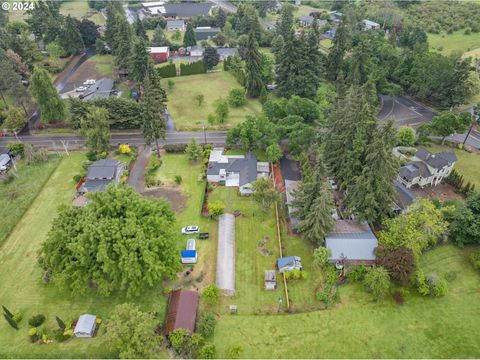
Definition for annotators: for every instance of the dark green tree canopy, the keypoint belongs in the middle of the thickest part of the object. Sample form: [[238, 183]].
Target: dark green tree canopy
[[119, 242]]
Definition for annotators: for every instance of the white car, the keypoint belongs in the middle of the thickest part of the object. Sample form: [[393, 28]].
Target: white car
[[333, 184], [191, 229], [89, 82], [81, 89]]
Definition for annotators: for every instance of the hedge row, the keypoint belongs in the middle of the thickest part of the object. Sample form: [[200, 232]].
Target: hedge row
[[122, 113], [193, 68], [167, 71]]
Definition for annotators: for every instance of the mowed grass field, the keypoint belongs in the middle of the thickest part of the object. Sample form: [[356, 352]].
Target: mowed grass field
[[17, 194], [22, 288], [359, 327], [468, 164], [455, 42], [187, 115]]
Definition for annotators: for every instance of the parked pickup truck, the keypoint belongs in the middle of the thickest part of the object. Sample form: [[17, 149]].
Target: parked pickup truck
[[203, 236]]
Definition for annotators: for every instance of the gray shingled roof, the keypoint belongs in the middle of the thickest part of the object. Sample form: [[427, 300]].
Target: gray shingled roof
[[248, 172], [414, 169], [353, 246], [186, 9], [102, 169], [436, 160], [404, 196], [96, 185]]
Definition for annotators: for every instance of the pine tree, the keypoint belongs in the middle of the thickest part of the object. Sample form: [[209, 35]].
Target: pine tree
[[96, 129], [139, 61], [285, 24], [319, 221], [220, 18], [253, 68], [336, 55], [210, 57], [61, 323], [6, 311], [372, 192], [140, 30], [70, 38], [193, 150], [51, 105], [153, 107], [11, 322], [124, 42], [189, 37], [113, 10], [159, 38]]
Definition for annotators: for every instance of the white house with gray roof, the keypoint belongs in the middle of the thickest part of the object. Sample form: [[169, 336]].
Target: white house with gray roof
[[426, 168], [235, 170]]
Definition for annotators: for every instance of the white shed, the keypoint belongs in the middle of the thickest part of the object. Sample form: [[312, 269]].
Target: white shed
[[86, 325]]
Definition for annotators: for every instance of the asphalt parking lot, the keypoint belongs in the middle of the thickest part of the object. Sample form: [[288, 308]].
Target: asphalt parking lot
[[405, 110]]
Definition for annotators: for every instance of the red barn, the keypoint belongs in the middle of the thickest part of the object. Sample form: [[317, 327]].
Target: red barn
[[160, 54]]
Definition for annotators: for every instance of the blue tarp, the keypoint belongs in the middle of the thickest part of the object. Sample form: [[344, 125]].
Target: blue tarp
[[189, 253]]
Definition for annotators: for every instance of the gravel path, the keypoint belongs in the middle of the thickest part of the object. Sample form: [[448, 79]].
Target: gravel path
[[136, 179]]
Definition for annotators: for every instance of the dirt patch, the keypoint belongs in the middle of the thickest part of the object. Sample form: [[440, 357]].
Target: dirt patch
[[440, 192], [175, 197], [279, 183], [262, 246], [85, 71]]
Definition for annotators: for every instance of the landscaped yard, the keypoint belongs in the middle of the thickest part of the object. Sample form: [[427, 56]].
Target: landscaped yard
[[187, 115], [359, 327], [468, 164], [103, 64], [457, 41], [17, 194]]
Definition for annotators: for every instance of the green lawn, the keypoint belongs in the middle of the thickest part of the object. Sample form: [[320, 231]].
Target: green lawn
[[187, 115], [103, 64], [468, 164], [80, 9], [251, 227], [326, 42], [192, 190], [17, 195], [23, 289], [455, 42], [358, 327]]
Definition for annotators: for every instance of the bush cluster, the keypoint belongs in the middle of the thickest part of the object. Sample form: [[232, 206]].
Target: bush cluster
[[167, 71], [193, 68], [36, 320]]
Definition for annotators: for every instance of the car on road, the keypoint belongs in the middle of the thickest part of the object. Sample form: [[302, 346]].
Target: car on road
[[81, 89], [333, 184], [191, 229]]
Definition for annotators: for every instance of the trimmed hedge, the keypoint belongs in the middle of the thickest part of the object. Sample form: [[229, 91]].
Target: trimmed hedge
[[122, 113], [167, 71], [193, 68], [175, 148]]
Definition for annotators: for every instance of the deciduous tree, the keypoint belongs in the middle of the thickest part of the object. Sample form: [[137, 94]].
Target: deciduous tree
[[121, 242], [94, 126]]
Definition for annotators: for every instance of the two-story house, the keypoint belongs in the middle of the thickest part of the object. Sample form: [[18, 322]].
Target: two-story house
[[427, 169]]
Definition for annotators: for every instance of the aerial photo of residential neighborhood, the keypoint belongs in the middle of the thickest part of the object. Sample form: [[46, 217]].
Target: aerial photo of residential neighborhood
[[237, 179]]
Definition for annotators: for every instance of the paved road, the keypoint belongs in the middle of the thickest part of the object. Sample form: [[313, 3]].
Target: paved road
[[77, 141], [225, 5], [405, 110]]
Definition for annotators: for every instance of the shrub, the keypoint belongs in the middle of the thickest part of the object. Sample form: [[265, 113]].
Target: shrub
[[33, 334], [320, 256], [61, 336], [154, 164], [438, 285], [357, 273], [77, 178], [327, 295], [7, 312], [91, 156], [179, 339], [16, 148], [236, 98], [296, 273], [17, 317], [167, 71], [406, 136], [206, 324], [377, 281], [207, 351], [124, 149], [398, 297], [475, 260], [36, 320], [175, 148], [211, 294], [178, 179], [221, 110], [215, 209], [10, 321], [61, 324], [288, 275], [196, 67], [399, 262], [235, 351]]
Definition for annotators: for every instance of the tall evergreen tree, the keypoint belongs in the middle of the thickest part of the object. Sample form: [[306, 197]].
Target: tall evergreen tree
[[153, 107], [372, 192], [253, 68], [285, 24], [124, 42], [159, 38], [139, 63], [70, 38], [51, 105], [113, 9], [189, 37], [247, 20], [336, 55], [140, 30], [96, 129], [220, 18]]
